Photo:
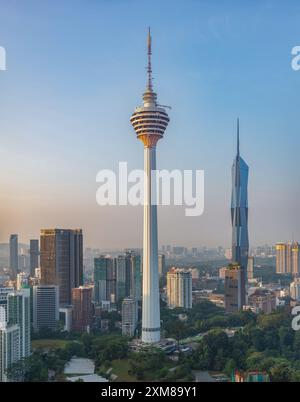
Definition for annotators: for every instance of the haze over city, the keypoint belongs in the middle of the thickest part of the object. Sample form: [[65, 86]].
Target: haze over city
[[74, 75]]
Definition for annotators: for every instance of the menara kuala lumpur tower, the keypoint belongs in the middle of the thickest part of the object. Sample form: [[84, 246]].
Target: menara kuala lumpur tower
[[239, 216], [149, 123]]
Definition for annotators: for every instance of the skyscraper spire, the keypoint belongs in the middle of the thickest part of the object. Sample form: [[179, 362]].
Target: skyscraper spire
[[149, 96], [149, 68], [238, 138]]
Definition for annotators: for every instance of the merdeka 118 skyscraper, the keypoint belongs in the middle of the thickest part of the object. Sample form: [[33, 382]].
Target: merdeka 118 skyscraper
[[239, 216]]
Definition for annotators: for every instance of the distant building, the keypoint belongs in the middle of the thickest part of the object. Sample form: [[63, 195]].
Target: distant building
[[194, 251], [233, 288], [263, 300], [22, 280], [228, 254], [179, 250], [195, 273], [45, 307], [129, 316], [23, 261], [82, 308], [179, 288], [295, 258], [222, 272], [161, 264], [250, 268], [34, 255], [13, 255], [62, 261], [295, 289]]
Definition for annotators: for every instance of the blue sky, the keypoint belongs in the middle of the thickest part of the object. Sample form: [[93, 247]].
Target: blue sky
[[75, 72]]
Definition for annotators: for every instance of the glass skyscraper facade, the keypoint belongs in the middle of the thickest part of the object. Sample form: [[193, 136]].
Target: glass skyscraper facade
[[62, 261]]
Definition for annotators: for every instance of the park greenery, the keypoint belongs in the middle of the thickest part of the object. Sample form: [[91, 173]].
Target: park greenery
[[49, 362], [153, 365], [263, 342]]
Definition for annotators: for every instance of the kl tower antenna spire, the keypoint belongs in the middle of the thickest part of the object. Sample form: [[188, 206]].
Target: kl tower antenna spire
[[150, 122], [149, 68]]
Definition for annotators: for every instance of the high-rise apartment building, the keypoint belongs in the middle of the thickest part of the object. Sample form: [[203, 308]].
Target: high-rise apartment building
[[4, 292], [295, 258], [239, 217], [13, 255], [34, 255], [136, 277], [124, 275], [45, 307], [287, 258], [104, 280], [15, 341], [179, 288], [82, 308], [281, 267], [117, 278], [18, 313], [61, 261], [9, 347], [129, 316], [233, 283]]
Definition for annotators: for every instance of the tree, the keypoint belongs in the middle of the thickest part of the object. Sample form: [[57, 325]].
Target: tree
[[229, 368], [281, 372]]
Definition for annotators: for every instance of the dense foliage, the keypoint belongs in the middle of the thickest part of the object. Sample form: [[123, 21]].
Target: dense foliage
[[264, 343], [152, 365], [49, 364]]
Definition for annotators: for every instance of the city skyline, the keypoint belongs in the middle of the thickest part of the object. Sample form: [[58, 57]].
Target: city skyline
[[150, 230], [72, 90]]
